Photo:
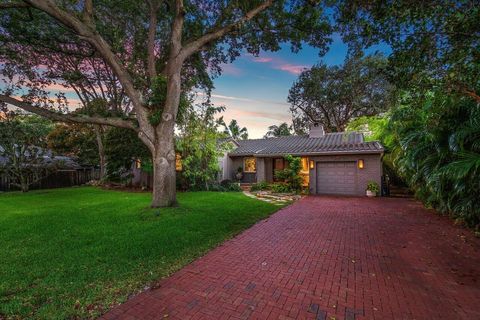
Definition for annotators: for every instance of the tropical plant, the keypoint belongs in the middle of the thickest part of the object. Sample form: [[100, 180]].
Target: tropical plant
[[435, 148], [281, 130], [234, 131], [373, 186]]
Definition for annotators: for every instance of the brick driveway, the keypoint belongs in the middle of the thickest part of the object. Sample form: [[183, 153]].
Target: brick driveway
[[328, 258]]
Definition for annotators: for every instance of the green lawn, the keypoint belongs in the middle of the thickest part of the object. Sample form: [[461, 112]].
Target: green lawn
[[75, 252]]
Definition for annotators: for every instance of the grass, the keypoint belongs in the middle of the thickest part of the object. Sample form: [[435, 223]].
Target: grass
[[75, 253]]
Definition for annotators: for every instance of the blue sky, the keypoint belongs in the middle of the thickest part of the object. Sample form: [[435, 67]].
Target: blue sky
[[254, 90]]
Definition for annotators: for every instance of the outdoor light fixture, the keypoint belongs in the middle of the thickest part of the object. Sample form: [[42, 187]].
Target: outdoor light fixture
[[360, 163], [312, 164]]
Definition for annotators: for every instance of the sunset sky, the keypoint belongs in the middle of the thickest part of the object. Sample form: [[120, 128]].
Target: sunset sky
[[254, 90]]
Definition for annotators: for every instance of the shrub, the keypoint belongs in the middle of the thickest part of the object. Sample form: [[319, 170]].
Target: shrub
[[226, 183], [224, 186], [291, 174], [234, 187], [280, 187], [373, 186], [259, 186]]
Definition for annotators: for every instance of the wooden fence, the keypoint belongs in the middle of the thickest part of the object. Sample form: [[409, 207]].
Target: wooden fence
[[58, 179]]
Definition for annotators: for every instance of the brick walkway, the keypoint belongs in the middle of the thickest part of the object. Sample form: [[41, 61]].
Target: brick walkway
[[328, 258]]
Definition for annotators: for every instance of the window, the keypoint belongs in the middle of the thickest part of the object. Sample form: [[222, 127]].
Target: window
[[178, 162], [138, 164], [250, 165], [279, 164], [305, 172], [304, 165]]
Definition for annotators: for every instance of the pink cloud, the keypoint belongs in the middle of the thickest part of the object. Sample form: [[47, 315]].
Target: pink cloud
[[280, 64], [292, 68], [262, 59]]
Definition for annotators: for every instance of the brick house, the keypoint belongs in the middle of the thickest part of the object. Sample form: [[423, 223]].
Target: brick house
[[332, 163]]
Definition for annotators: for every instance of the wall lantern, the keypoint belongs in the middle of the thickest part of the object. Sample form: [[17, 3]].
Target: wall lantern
[[360, 164], [312, 164]]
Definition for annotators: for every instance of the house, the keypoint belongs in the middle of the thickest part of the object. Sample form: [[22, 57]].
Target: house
[[332, 163]]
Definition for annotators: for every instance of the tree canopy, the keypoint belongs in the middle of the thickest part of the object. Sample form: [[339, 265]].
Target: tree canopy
[[434, 43], [333, 95], [155, 52], [281, 130]]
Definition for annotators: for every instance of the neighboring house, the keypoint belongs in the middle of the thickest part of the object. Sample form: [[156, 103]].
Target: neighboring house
[[332, 163]]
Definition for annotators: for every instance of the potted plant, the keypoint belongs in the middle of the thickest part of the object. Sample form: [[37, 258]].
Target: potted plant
[[372, 189], [239, 174]]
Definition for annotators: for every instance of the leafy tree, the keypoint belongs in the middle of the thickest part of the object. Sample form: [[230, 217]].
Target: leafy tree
[[74, 140], [234, 131], [434, 43], [335, 95], [199, 147], [291, 174], [24, 158], [122, 148], [432, 144], [157, 50], [281, 130], [372, 127]]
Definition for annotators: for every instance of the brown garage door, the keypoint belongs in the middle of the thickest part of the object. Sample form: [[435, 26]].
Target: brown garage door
[[336, 178]]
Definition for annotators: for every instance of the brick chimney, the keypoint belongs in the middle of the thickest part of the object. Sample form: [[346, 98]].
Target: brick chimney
[[316, 131]]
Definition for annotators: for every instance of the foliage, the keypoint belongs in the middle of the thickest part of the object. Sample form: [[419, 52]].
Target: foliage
[[199, 147], [225, 186], [291, 174], [279, 131], [280, 187], [373, 186], [74, 140], [435, 148], [104, 245], [434, 44], [333, 95], [372, 128], [24, 157], [122, 147], [259, 186], [234, 131], [133, 43]]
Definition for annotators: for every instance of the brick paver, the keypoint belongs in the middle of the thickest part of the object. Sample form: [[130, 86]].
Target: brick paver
[[328, 258]]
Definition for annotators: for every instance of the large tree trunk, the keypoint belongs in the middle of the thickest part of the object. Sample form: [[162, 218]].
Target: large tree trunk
[[163, 154], [164, 182], [101, 151]]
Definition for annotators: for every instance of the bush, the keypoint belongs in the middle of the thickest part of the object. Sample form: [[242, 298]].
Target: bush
[[373, 186], [280, 187], [224, 186], [291, 174], [259, 186], [226, 183], [234, 187]]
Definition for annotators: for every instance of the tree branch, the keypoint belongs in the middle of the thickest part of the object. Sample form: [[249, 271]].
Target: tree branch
[[14, 5], [97, 41], [88, 12], [77, 118], [152, 31], [193, 46]]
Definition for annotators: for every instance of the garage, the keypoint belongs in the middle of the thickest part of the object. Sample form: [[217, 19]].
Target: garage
[[336, 177]]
